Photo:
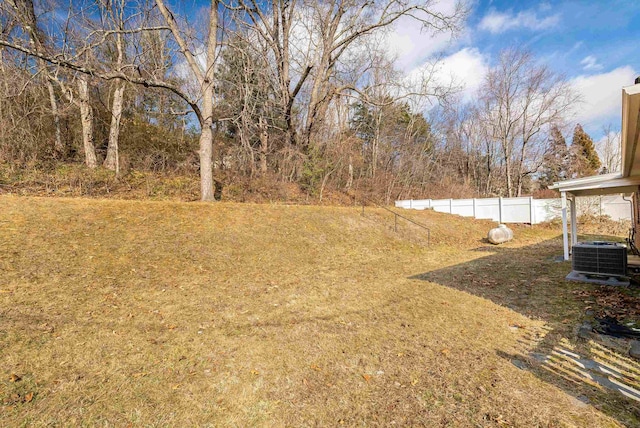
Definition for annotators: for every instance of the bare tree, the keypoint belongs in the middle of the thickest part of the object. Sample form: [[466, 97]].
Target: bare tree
[[24, 11], [114, 17], [287, 80], [26, 131], [205, 79], [201, 103], [609, 150], [247, 97], [307, 41], [522, 99], [86, 116], [25, 14]]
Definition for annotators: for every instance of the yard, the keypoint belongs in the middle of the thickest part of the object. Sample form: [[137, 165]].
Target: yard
[[180, 314]]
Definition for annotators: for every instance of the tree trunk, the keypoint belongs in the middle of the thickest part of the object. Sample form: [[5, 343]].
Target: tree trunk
[[264, 145], [206, 159], [58, 147], [324, 184], [507, 164], [350, 177], [206, 136], [376, 144], [112, 161], [520, 168], [86, 117], [246, 145], [280, 47], [520, 182], [243, 131], [205, 80]]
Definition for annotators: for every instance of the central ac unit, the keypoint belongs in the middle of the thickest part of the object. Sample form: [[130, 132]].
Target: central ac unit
[[600, 258]]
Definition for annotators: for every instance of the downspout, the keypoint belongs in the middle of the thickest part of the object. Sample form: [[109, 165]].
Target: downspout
[[633, 217], [565, 232]]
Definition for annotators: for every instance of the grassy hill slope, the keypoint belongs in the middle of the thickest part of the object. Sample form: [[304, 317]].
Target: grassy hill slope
[[162, 313]]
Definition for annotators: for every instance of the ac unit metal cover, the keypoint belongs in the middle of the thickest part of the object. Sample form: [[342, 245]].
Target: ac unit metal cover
[[600, 258]]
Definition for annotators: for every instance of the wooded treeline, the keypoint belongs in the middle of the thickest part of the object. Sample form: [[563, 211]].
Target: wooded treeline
[[289, 91]]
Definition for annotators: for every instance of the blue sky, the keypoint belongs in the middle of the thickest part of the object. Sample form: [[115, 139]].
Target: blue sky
[[565, 32], [574, 37], [595, 44]]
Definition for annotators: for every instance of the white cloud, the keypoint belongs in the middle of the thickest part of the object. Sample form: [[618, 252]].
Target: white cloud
[[499, 22], [412, 45], [544, 6], [590, 63], [602, 97], [465, 69], [577, 45]]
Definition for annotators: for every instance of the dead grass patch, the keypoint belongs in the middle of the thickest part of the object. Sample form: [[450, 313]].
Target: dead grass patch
[[160, 313]]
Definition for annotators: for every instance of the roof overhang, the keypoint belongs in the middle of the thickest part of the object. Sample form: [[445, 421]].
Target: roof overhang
[[605, 184]]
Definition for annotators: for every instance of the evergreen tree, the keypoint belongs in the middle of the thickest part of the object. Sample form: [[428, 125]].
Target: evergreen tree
[[555, 166], [362, 121], [586, 160]]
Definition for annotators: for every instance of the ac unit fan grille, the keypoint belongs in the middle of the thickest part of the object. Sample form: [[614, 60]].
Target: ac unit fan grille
[[600, 259]]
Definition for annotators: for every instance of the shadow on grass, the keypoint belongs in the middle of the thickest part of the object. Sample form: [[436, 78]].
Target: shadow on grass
[[530, 281]]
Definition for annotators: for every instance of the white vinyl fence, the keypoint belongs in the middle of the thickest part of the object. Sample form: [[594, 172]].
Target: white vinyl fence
[[522, 210]]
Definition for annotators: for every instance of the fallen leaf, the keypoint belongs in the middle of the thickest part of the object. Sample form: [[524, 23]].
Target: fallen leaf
[[366, 377], [445, 351], [28, 397], [15, 378]]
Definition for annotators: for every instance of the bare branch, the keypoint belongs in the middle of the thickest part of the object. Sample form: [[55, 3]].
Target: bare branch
[[106, 75]]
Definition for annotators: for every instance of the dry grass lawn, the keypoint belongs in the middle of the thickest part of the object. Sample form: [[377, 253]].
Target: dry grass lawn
[[124, 313]]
